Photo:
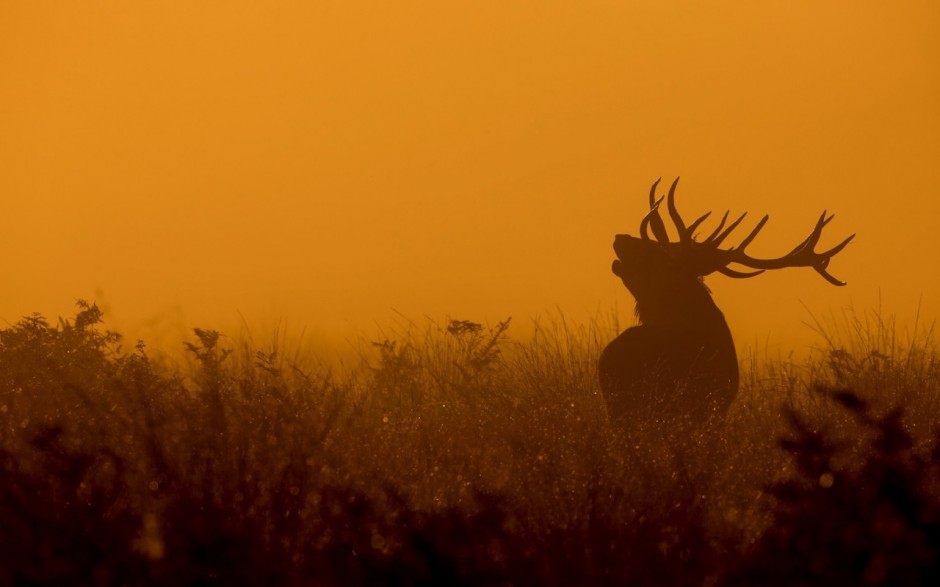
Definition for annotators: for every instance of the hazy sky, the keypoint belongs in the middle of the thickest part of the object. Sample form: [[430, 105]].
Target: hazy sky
[[323, 163]]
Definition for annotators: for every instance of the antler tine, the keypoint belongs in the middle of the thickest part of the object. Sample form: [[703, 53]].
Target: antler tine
[[684, 235], [825, 274], [720, 226], [653, 219], [650, 216], [694, 225], [717, 240], [827, 256], [813, 237], [747, 240], [834, 250], [653, 193], [738, 274]]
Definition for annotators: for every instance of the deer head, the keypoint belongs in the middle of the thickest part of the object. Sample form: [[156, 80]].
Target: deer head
[[650, 266]]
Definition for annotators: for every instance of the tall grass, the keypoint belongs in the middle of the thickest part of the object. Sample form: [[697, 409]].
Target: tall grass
[[455, 453]]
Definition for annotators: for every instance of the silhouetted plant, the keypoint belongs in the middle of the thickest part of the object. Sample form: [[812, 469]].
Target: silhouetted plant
[[478, 350], [63, 519], [874, 522]]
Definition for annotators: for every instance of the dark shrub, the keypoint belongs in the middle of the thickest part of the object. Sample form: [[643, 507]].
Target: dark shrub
[[873, 520]]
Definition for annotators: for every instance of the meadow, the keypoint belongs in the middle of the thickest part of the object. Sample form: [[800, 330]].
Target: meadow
[[455, 453]]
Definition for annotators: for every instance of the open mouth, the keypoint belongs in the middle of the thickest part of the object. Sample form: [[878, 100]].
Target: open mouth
[[617, 267]]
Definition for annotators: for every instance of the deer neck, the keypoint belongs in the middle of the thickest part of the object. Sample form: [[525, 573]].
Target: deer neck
[[689, 312]]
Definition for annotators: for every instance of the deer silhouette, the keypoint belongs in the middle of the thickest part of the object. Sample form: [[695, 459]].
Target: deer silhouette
[[680, 360]]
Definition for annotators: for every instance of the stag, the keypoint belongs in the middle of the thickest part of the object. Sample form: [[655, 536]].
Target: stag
[[680, 360]]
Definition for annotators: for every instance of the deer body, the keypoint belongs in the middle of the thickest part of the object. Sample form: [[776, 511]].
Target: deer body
[[680, 361], [670, 366]]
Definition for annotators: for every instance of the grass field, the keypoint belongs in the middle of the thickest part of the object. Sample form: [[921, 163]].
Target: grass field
[[454, 453]]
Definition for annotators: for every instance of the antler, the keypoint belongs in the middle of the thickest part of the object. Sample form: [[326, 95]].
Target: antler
[[803, 255], [707, 257], [654, 220]]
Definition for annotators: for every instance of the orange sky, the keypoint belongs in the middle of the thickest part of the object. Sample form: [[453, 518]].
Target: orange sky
[[321, 163]]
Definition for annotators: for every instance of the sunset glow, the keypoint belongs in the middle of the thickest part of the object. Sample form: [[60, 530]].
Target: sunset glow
[[328, 164]]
